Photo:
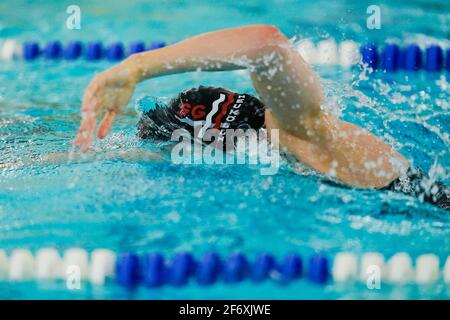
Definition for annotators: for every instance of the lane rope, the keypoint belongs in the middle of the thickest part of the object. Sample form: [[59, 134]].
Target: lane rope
[[388, 57], [154, 270]]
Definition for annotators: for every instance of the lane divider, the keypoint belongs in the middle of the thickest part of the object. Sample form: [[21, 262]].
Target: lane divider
[[153, 270], [388, 58], [392, 58], [11, 49]]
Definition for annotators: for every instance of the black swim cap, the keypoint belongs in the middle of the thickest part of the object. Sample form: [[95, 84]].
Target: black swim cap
[[202, 108]]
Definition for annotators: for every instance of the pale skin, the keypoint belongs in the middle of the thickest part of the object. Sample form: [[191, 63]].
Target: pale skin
[[285, 83]]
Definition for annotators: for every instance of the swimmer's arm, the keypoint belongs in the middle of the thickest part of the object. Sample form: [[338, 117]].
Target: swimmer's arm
[[355, 156], [284, 81]]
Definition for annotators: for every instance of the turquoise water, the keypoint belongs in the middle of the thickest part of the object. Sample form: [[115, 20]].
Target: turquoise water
[[142, 206]]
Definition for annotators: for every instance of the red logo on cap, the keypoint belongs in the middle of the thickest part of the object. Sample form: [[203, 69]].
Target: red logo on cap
[[197, 112]]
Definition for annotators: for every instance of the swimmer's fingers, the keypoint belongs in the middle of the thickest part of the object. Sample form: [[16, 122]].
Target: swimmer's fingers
[[86, 130], [84, 126], [80, 134], [91, 103], [106, 124], [88, 133]]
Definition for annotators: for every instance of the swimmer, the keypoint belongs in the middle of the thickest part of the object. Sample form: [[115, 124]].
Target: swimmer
[[290, 99]]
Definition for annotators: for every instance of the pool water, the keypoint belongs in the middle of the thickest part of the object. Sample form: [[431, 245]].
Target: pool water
[[143, 206]]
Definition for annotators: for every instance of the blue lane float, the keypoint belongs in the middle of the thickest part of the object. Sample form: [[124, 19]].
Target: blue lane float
[[153, 270], [181, 269], [447, 59], [412, 58], [434, 58], [290, 268], [209, 269], [31, 50], [73, 50], [236, 268], [136, 47], [369, 55], [263, 265], [156, 45], [94, 51], [390, 59], [318, 269], [115, 51], [53, 50], [128, 270]]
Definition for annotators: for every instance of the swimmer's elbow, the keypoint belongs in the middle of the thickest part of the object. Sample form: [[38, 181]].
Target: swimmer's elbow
[[267, 35], [266, 40], [268, 30], [272, 35]]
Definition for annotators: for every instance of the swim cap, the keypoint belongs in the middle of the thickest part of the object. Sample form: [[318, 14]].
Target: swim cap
[[200, 109]]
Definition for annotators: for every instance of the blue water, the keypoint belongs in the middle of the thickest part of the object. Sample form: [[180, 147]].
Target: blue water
[[142, 206]]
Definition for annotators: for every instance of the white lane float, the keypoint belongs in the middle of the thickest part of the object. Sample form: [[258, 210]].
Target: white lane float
[[446, 271], [21, 265], [427, 269], [327, 53], [348, 53], [4, 265], [307, 50], [10, 49], [102, 266], [400, 268], [48, 264], [345, 267], [371, 262], [74, 260]]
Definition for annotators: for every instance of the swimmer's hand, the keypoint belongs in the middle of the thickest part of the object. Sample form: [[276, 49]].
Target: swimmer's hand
[[105, 96]]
